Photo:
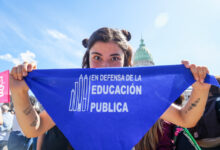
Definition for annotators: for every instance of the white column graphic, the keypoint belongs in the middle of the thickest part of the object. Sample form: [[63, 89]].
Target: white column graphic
[[84, 93], [80, 93], [79, 96], [72, 100], [87, 93]]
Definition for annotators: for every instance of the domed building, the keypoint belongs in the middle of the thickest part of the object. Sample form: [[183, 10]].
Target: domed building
[[142, 56]]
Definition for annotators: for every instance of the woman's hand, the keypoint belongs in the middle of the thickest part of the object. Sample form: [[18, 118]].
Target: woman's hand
[[16, 76], [31, 123], [199, 73], [188, 115]]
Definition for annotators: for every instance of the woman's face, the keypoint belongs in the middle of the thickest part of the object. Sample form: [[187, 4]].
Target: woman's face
[[106, 55]]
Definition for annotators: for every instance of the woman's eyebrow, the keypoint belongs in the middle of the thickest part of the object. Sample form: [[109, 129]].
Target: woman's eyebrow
[[116, 54], [96, 53]]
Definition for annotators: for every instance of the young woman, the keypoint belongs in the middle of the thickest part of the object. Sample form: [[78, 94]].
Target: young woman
[[106, 47]]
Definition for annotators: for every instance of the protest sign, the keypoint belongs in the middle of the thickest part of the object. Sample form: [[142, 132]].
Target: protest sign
[[4, 87], [109, 108]]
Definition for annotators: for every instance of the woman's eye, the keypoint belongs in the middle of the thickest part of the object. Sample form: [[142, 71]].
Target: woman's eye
[[115, 58], [97, 58]]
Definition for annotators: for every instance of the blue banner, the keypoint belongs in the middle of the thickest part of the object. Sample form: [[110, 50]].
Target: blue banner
[[109, 108]]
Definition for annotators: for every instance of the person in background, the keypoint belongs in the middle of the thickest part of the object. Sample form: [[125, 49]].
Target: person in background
[[5, 128], [1, 118], [17, 140], [207, 130]]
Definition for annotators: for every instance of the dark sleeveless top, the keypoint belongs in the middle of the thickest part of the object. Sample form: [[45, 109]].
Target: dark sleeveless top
[[165, 140], [55, 140]]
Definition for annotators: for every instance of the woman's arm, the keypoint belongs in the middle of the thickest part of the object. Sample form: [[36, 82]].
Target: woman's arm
[[190, 114], [31, 123]]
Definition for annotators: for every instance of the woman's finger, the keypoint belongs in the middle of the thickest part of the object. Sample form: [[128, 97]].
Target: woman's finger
[[207, 70], [14, 73], [203, 73], [31, 66], [19, 72], [185, 63], [24, 69], [194, 72]]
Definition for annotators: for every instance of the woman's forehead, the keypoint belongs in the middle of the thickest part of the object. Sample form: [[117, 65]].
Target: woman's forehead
[[106, 47]]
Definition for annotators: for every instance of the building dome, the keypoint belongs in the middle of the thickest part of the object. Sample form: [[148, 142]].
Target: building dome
[[142, 56]]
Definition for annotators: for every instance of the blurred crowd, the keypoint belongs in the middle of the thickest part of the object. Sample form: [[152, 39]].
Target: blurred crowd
[[11, 135]]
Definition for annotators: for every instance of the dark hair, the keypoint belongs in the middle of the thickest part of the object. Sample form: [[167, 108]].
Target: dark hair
[[215, 91], [151, 138], [119, 37], [179, 100]]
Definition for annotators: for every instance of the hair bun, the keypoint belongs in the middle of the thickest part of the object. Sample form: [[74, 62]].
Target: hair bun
[[127, 34], [85, 43]]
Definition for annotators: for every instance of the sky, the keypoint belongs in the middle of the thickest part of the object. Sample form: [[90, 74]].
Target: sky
[[51, 32]]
